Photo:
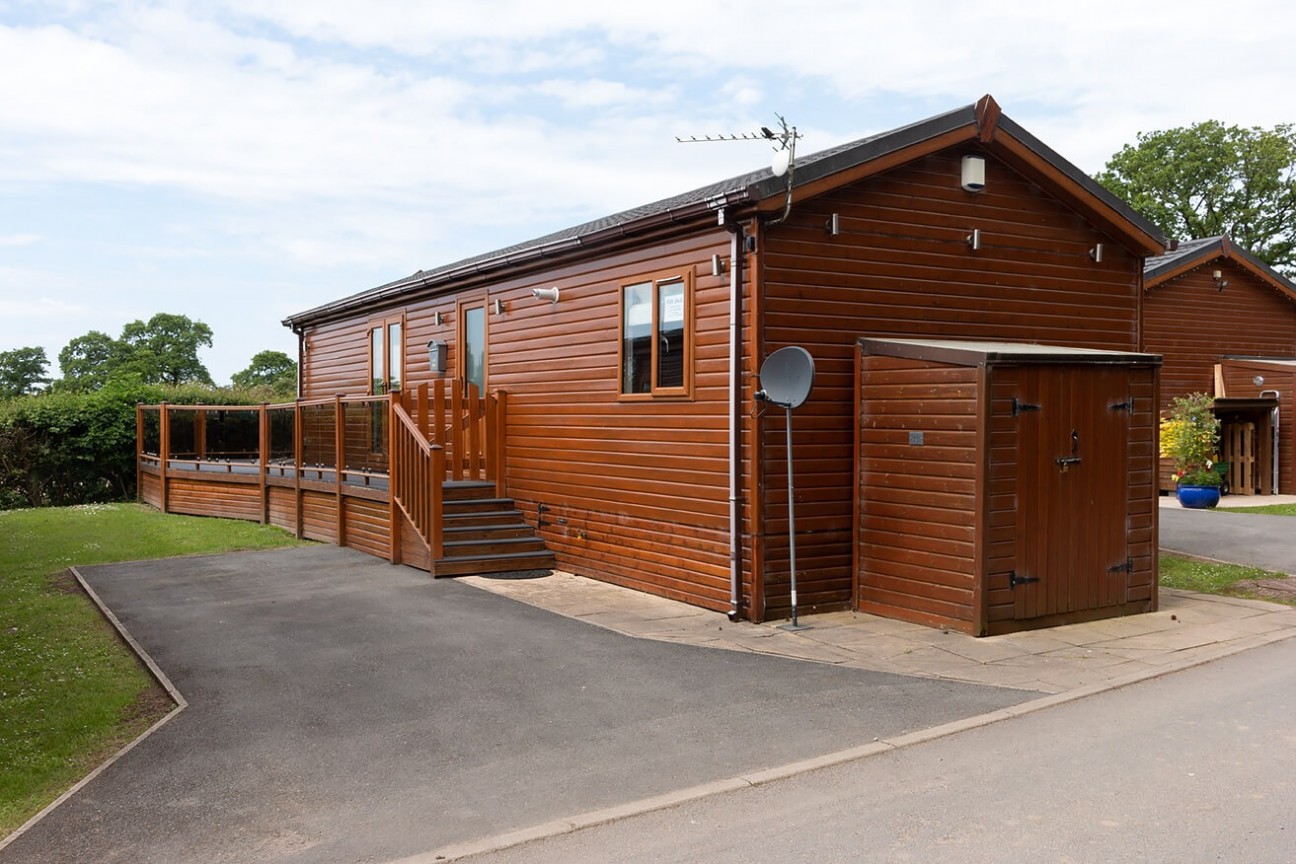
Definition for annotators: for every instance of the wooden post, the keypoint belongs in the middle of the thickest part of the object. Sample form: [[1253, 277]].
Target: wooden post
[[500, 448], [297, 469], [438, 415], [438, 478], [422, 410], [456, 433], [139, 451], [263, 458], [164, 453], [393, 467], [339, 442]]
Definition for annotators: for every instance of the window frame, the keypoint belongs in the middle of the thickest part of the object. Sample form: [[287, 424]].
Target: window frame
[[683, 277], [384, 324]]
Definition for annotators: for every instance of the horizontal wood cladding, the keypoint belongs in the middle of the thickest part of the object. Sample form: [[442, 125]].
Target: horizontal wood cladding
[[283, 507], [902, 266], [917, 502], [150, 489], [223, 499], [319, 516], [1191, 323], [642, 476], [368, 526], [1239, 378]]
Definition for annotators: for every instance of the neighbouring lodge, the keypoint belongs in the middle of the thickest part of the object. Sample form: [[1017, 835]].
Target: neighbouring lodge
[[982, 407], [1225, 324]]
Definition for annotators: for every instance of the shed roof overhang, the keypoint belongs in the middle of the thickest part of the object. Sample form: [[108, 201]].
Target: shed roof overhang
[[972, 352], [1196, 253], [982, 125]]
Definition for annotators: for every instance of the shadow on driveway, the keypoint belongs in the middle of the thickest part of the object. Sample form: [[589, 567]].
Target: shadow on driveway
[[342, 709]]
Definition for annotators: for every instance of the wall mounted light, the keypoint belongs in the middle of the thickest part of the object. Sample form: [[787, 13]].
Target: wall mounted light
[[1220, 282], [550, 294], [1096, 253], [974, 239], [436, 319], [717, 265], [498, 306], [833, 225], [972, 173]]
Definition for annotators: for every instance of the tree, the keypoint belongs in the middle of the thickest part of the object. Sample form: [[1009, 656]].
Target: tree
[[272, 369], [1209, 179], [165, 350], [21, 371], [88, 361]]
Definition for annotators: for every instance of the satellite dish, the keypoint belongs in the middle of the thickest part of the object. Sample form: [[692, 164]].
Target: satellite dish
[[782, 158], [786, 377]]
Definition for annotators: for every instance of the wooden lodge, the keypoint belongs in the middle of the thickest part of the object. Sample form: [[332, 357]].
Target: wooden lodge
[[622, 356], [1225, 324]]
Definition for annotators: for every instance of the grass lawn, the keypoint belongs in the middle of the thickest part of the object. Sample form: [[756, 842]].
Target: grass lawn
[[1271, 509], [70, 692], [1211, 578]]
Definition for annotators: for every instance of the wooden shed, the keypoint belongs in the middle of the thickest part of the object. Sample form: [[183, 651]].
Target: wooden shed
[[1207, 300], [1004, 486], [623, 354]]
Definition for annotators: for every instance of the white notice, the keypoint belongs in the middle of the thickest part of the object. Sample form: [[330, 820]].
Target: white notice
[[673, 307]]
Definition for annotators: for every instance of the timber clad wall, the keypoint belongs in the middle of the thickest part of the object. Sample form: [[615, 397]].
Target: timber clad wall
[[1193, 324], [636, 491], [918, 516], [902, 267]]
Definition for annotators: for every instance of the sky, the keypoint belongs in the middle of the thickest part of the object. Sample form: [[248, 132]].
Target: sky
[[237, 161]]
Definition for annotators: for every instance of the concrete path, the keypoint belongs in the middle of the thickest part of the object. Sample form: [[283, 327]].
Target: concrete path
[[342, 709]]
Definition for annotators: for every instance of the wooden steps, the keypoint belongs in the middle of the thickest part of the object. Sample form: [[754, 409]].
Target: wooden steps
[[485, 534]]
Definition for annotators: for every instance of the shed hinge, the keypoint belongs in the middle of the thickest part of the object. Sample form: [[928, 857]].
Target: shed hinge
[[1127, 405], [1014, 580], [1126, 566], [1019, 406]]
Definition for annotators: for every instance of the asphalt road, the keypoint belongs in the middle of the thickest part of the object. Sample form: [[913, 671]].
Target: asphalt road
[[1255, 539], [1195, 766], [342, 709]]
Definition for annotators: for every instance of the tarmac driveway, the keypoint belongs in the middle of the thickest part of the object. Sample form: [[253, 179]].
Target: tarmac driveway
[[342, 709], [1254, 539]]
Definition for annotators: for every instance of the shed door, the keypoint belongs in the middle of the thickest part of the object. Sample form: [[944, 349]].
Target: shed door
[[1072, 490]]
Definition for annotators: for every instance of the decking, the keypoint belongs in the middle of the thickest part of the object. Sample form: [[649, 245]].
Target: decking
[[415, 477]]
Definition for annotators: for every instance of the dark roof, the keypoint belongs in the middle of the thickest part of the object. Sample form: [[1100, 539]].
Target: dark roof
[[982, 120], [1190, 254]]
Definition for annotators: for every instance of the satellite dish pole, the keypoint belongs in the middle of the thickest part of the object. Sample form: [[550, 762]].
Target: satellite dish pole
[[786, 377]]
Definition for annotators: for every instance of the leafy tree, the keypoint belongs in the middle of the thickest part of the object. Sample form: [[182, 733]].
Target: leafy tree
[[165, 349], [1209, 179], [21, 371], [89, 361], [273, 370]]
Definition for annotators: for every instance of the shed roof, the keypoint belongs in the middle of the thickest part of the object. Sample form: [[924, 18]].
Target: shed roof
[[982, 122], [973, 352], [1191, 254]]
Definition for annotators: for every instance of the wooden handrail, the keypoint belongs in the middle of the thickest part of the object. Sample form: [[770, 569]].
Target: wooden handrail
[[417, 471]]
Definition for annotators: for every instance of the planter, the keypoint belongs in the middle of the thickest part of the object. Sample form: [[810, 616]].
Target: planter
[[1197, 497]]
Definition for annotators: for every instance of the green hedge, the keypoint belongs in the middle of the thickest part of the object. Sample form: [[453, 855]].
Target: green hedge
[[58, 449]]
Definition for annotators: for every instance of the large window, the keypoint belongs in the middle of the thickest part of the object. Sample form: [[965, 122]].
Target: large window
[[656, 337]]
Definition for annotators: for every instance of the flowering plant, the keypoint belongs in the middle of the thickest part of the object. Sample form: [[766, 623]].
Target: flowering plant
[[1190, 436]]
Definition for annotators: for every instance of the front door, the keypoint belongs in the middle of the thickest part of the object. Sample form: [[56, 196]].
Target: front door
[[1072, 490], [472, 345]]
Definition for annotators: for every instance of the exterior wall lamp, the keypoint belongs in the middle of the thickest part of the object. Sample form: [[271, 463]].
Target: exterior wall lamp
[[1220, 282], [550, 294], [972, 174]]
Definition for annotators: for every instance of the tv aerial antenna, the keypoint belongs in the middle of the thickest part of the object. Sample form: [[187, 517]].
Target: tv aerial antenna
[[782, 165]]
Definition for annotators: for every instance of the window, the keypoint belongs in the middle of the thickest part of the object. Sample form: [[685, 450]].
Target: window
[[386, 355], [656, 343]]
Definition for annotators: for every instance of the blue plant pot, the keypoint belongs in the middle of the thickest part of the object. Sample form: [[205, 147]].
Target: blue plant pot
[[1198, 497]]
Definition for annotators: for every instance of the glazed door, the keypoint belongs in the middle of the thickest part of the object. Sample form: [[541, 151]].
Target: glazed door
[[1072, 490], [472, 344]]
